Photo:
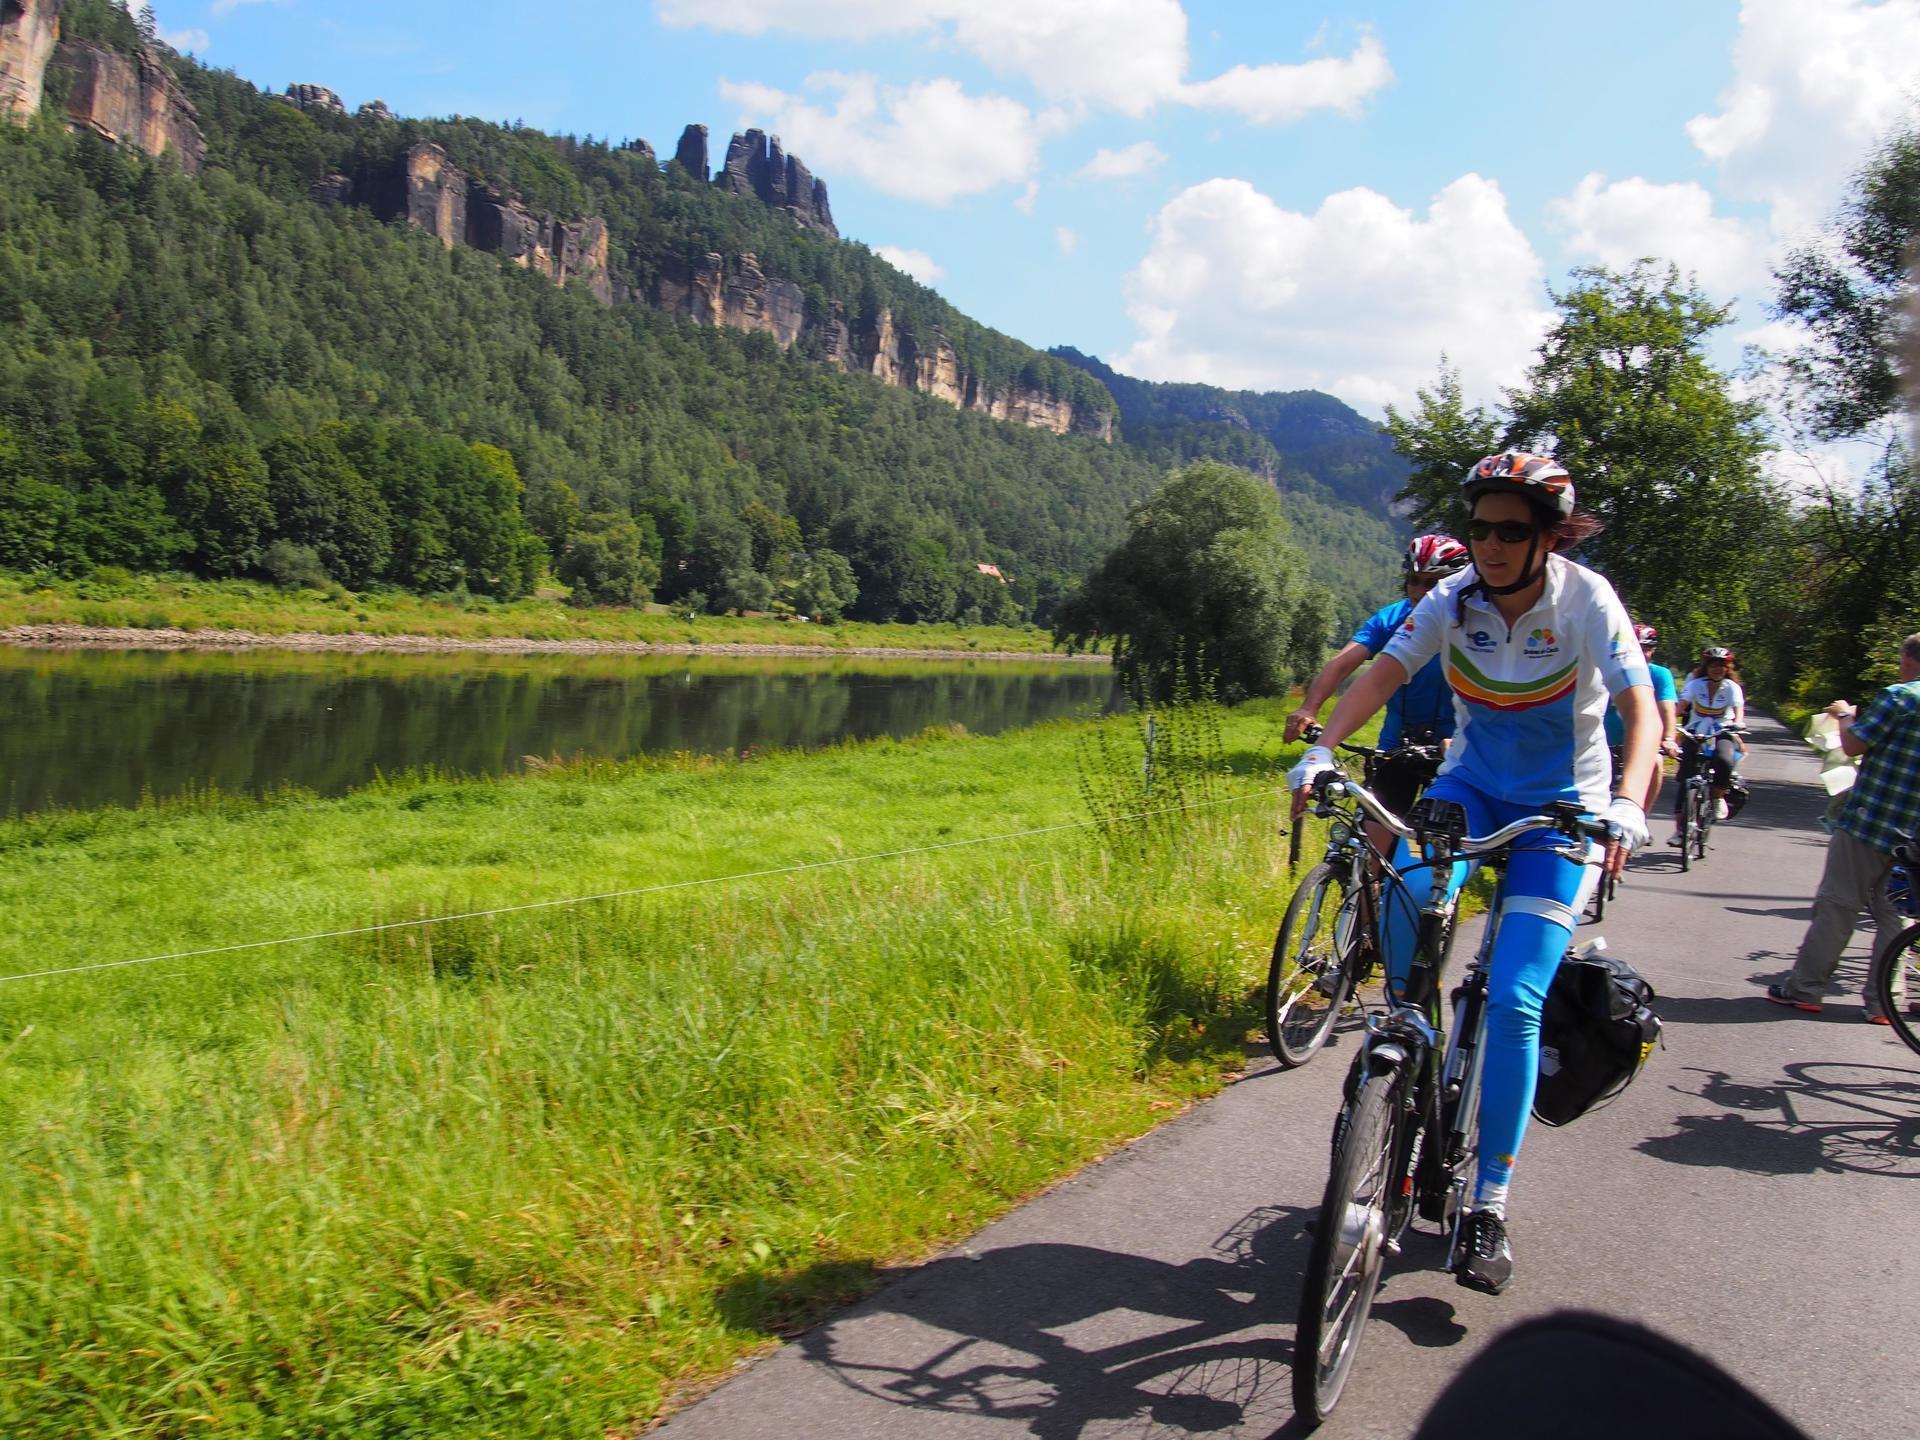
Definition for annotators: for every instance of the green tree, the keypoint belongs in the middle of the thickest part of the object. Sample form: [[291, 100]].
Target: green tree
[[1202, 595], [613, 559], [322, 502], [1853, 292], [1846, 589], [1440, 439], [1660, 448], [823, 585], [36, 519]]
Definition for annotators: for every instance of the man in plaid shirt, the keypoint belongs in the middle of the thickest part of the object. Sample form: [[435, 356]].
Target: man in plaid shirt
[[1882, 810]]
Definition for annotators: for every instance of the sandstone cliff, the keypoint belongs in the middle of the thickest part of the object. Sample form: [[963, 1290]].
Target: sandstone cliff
[[427, 190], [743, 297], [131, 101], [758, 167], [29, 29]]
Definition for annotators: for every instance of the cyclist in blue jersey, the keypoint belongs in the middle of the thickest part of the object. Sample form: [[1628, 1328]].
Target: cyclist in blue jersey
[[1421, 711], [1665, 699], [1532, 645]]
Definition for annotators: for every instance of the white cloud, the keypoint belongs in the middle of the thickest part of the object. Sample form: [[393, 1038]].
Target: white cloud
[[1281, 94], [1068, 240], [192, 41], [929, 141], [1359, 298], [917, 263], [1618, 223], [1029, 197], [1135, 159], [1124, 55], [1816, 83]]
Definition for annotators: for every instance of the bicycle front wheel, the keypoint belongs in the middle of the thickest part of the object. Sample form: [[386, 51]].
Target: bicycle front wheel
[[1893, 985], [1702, 821], [1311, 972], [1349, 1249], [1687, 829]]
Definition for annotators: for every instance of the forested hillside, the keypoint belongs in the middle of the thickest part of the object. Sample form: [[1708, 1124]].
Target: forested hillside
[[1337, 473], [216, 373]]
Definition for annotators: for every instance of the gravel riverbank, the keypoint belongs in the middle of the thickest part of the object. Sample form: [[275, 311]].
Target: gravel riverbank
[[95, 637]]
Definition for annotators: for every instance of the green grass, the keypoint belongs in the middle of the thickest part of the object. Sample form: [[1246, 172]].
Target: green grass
[[120, 600], [533, 1175]]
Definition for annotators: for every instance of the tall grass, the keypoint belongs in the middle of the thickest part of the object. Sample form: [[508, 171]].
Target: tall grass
[[529, 1175]]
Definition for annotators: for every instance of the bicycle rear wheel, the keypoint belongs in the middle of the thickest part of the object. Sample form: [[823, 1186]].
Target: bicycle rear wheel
[[1349, 1249], [1893, 985], [1311, 973]]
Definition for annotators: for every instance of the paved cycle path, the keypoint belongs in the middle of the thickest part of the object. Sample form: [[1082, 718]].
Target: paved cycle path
[[1756, 1194]]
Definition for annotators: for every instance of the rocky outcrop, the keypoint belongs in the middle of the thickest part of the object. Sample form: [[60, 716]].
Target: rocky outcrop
[[691, 154], [331, 191], [317, 98], [130, 101], [433, 194], [758, 167], [426, 189], [559, 249], [374, 110], [708, 291], [29, 30]]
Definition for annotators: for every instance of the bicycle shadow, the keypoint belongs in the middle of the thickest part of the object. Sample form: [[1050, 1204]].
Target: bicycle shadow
[[1026, 1334], [1772, 1129]]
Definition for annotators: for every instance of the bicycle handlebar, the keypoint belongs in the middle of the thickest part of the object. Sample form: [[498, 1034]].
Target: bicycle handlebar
[[1312, 733], [1568, 822]]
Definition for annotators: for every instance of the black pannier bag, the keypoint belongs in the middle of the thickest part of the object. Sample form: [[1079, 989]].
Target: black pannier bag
[[1596, 1031], [1738, 793]]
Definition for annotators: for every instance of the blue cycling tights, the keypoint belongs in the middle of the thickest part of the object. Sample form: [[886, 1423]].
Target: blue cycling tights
[[1544, 896]]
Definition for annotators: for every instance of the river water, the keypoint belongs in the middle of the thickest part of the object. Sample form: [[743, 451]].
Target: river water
[[82, 728]]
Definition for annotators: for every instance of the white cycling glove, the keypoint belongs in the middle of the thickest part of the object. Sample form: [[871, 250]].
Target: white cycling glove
[[1628, 822], [1317, 759]]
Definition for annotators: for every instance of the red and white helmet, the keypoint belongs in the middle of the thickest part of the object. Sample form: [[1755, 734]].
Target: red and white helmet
[[1539, 478], [1434, 555], [1647, 636]]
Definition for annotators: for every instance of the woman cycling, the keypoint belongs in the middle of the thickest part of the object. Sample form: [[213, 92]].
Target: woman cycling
[[1711, 700], [1532, 644]]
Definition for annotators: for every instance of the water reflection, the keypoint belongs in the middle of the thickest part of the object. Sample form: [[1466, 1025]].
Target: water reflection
[[92, 727]]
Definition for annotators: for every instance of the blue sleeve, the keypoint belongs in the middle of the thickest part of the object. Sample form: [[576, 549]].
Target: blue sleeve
[[1663, 684], [1378, 628]]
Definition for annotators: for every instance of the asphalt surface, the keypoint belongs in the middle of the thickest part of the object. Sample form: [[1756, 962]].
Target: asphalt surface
[[1752, 1195]]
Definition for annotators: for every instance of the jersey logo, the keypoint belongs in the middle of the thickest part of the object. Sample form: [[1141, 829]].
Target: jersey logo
[[1540, 644], [1480, 640], [1477, 689]]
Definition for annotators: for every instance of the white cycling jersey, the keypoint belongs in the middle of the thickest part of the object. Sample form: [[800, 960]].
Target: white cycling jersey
[[1530, 698], [1710, 706]]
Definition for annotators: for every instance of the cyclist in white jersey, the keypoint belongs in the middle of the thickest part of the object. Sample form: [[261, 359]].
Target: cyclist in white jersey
[[1710, 701], [1532, 645]]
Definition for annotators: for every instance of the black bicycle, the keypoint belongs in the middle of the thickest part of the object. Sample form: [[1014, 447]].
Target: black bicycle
[[1700, 771], [1893, 978], [1326, 948], [1406, 1139]]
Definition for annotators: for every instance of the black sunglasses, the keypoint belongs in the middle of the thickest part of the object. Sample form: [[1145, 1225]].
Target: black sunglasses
[[1508, 532]]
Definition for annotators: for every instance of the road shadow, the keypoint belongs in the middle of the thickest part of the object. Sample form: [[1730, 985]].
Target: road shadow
[[1061, 1337], [1833, 1117]]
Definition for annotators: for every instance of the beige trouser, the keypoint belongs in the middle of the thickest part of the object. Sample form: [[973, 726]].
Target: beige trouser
[[1856, 876]]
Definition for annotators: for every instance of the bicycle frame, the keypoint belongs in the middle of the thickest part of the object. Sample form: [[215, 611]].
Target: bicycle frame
[[1406, 1137], [1409, 1037]]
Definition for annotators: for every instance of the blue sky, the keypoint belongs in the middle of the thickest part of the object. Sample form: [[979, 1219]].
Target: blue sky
[[1276, 195]]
